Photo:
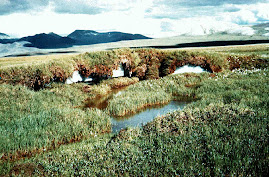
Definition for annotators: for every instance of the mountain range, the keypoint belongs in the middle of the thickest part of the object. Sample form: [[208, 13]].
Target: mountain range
[[78, 37], [81, 41], [85, 37]]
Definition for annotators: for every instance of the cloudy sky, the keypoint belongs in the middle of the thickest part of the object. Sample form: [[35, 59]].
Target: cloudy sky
[[154, 18]]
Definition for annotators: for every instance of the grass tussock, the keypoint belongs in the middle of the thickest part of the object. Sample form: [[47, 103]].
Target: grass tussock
[[155, 92], [31, 121], [220, 134], [100, 94], [107, 86]]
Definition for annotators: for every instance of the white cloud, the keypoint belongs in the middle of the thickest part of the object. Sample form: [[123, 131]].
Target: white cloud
[[244, 30], [240, 17], [169, 18], [202, 26], [262, 11], [247, 13], [97, 6]]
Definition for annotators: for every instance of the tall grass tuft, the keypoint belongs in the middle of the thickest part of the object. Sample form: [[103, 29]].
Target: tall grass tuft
[[45, 119]]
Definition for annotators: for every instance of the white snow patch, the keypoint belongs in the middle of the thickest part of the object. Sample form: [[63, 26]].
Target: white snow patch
[[76, 77], [119, 72], [87, 79], [267, 29], [188, 69], [91, 33]]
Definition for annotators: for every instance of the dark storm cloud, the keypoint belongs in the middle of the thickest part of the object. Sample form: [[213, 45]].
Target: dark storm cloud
[[13, 6]]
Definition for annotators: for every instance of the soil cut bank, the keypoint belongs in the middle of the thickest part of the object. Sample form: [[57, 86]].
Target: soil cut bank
[[142, 63]]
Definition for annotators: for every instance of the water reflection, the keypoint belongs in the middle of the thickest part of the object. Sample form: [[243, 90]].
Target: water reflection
[[145, 116]]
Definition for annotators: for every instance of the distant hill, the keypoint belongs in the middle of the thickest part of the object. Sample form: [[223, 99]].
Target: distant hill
[[262, 25], [78, 37], [86, 37], [89, 37], [48, 41], [6, 39], [4, 36], [261, 29]]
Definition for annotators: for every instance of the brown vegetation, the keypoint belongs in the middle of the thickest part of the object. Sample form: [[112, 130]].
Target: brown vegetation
[[141, 63]]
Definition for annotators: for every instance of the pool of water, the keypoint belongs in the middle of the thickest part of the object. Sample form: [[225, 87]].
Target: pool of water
[[145, 116]]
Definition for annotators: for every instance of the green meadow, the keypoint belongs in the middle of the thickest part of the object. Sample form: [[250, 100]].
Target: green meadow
[[47, 129]]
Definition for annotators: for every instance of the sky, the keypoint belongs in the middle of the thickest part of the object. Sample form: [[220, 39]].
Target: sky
[[153, 18]]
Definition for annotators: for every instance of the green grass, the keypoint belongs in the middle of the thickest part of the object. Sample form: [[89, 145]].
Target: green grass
[[219, 134], [33, 120], [224, 132], [107, 86], [155, 92]]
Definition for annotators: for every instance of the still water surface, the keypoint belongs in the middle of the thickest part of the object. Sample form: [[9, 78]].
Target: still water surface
[[145, 116]]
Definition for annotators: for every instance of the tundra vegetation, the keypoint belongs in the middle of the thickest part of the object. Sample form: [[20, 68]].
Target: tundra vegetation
[[46, 129]]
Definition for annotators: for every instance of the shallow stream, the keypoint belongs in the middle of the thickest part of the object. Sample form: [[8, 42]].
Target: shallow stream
[[146, 115], [138, 119]]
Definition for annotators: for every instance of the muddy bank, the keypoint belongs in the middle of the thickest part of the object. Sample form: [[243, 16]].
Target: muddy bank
[[101, 102]]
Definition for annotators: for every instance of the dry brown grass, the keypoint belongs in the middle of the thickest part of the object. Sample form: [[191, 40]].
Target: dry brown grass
[[29, 60]]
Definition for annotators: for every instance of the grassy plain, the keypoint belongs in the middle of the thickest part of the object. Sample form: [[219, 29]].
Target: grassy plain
[[223, 132]]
